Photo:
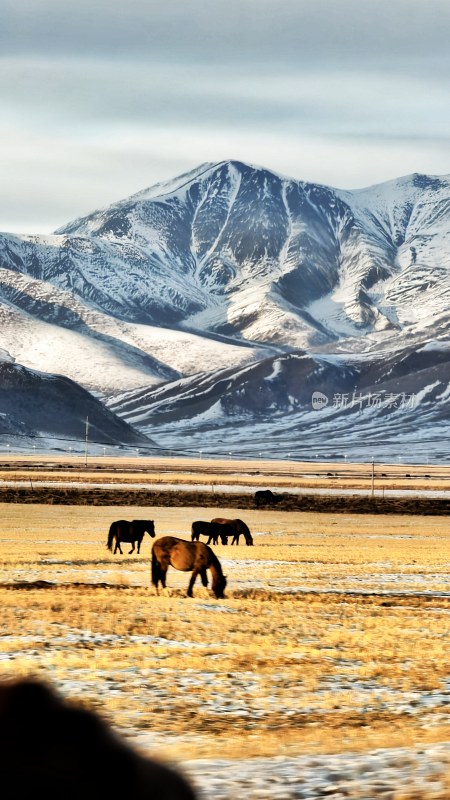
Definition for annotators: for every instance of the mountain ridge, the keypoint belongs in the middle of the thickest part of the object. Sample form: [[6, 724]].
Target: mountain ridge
[[223, 267]]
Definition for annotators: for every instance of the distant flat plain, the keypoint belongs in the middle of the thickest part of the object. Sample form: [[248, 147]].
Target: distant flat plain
[[278, 475]]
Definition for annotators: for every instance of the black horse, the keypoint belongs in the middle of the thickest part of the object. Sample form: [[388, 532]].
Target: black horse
[[238, 527], [265, 497], [125, 531], [195, 557], [212, 530]]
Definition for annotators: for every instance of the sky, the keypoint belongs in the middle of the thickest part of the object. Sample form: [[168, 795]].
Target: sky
[[102, 99]]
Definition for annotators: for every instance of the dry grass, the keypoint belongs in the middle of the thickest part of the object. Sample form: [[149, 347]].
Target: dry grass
[[333, 636]]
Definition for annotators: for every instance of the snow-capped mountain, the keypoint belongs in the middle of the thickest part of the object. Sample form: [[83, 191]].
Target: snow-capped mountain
[[228, 274]]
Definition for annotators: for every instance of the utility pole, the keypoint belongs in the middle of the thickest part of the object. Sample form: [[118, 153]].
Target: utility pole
[[373, 477], [86, 441]]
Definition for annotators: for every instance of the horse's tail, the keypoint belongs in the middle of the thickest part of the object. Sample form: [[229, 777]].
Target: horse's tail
[[112, 530], [196, 530], [219, 531]]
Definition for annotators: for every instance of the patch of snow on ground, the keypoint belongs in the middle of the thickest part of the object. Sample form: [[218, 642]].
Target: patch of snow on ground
[[380, 774]]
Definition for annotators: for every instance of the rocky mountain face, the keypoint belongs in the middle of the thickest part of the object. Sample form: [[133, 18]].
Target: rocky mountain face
[[219, 302], [37, 405], [389, 405]]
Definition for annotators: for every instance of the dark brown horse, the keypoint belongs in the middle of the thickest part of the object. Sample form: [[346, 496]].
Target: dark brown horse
[[213, 530], [239, 529], [265, 497], [195, 557], [125, 531]]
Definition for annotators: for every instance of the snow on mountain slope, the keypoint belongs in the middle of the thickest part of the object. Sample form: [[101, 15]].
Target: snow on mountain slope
[[413, 214], [48, 328], [391, 404]]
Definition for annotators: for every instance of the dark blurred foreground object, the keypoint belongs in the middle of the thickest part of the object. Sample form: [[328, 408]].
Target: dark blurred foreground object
[[53, 748]]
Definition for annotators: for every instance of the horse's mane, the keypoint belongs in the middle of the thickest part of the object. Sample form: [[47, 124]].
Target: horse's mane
[[242, 525], [214, 560], [219, 579]]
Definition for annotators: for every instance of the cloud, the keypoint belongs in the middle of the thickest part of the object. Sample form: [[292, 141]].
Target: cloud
[[102, 99], [63, 93], [228, 30]]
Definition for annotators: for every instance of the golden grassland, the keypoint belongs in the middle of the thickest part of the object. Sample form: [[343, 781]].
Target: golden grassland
[[333, 637]]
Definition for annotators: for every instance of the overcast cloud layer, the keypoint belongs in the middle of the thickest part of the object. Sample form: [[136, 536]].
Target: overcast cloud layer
[[100, 100]]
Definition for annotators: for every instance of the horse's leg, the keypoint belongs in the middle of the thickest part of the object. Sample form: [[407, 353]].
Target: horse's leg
[[163, 575], [158, 574], [191, 582], [204, 576], [118, 547], [132, 550], [160, 577]]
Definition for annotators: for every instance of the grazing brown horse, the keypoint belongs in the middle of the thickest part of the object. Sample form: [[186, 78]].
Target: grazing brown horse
[[195, 557], [239, 529], [212, 530], [125, 531]]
